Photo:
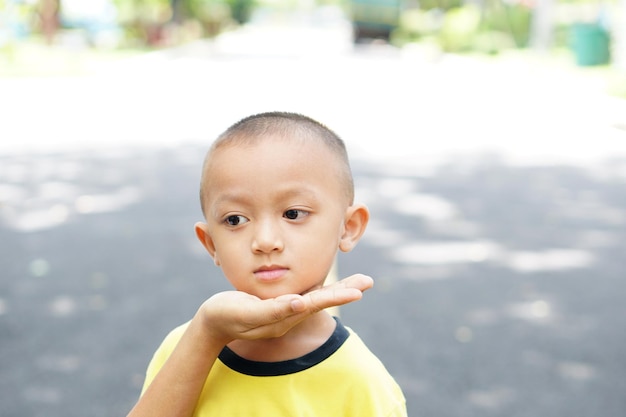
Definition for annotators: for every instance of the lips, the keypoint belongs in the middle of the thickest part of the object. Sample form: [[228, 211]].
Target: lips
[[270, 273]]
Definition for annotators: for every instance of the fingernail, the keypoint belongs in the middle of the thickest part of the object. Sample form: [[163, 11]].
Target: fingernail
[[297, 305]]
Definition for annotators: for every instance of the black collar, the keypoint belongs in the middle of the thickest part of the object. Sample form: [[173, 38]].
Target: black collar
[[254, 368]]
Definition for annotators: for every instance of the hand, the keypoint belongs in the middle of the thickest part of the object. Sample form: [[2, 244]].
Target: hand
[[225, 317], [237, 315]]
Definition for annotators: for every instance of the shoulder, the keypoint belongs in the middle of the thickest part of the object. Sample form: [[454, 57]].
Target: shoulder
[[368, 387], [163, 352], [171, 340], [174, 335], [355, 353]]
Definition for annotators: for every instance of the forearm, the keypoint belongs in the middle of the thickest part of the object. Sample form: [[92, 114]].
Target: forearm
[[176, 388]]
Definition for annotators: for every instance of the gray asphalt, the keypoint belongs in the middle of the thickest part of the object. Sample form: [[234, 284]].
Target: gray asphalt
[[531, 324]]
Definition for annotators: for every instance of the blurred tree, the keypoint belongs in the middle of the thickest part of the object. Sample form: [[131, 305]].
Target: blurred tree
[[48, 13], [178, 12], [154, 20], [507, 18], [440, 4]]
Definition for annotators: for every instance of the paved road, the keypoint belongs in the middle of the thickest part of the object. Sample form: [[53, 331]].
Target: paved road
[[499, 278], [499, 289]]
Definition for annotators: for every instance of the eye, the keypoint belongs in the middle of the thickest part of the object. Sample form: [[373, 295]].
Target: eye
[[294, 214], [235, 220]]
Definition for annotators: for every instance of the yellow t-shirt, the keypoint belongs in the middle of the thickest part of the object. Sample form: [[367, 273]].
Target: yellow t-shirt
[[340, 378]]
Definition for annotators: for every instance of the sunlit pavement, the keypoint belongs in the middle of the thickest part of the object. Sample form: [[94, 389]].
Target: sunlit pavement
[[497, 240]]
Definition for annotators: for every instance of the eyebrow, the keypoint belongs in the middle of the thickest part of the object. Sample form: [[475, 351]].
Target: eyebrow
[[243, 198]]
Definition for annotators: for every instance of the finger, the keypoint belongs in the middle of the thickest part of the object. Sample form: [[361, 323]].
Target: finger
[[345, 291], [358, 281], [331, 297], [274, 317]]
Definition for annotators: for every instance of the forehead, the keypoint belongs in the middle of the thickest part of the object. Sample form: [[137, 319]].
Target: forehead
[[270, 163]]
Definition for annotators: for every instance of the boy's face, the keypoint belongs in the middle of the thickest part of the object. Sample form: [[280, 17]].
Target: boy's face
[[275, 214]]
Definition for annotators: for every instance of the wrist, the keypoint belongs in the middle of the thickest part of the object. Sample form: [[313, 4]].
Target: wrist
[[208, 324]]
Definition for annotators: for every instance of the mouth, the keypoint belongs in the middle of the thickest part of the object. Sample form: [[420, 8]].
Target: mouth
[[270, 273]]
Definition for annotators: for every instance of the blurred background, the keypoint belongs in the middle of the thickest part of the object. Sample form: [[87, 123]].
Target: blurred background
[[487, 137], [592, 29]]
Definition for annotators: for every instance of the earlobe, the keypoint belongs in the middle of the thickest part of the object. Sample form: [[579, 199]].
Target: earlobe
[[202, 232], [356, 219]]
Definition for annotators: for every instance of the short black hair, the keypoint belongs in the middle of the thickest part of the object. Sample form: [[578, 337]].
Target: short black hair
[[286, 124]]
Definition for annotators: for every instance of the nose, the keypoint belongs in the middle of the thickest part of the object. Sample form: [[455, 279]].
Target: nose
[[267, 237]]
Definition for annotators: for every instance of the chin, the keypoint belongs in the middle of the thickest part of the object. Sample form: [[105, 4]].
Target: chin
[[265, 295]]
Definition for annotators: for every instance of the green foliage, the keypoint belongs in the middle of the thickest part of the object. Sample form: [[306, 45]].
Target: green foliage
[[491, 28], [512, 19], [416, 24], [492, 42], [214, 10], [241, 9], [154, 11], [148, 21], [459, 28], [213, 15], [440, 4]]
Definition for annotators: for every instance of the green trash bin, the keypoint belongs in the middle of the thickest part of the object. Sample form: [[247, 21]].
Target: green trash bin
[[591, 44]]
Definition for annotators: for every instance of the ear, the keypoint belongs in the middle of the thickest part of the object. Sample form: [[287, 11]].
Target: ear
[[357, 216], [202, 231]]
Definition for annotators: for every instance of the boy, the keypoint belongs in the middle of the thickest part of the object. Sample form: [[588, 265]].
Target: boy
[[277, 196]]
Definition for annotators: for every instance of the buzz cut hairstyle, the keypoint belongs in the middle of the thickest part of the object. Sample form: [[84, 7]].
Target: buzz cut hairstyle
[[251, 129]]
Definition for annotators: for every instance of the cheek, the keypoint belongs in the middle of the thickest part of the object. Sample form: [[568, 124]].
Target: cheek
[[322, 243], [225, 247]]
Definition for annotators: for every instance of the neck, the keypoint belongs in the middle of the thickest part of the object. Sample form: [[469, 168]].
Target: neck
[[303, 338]]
